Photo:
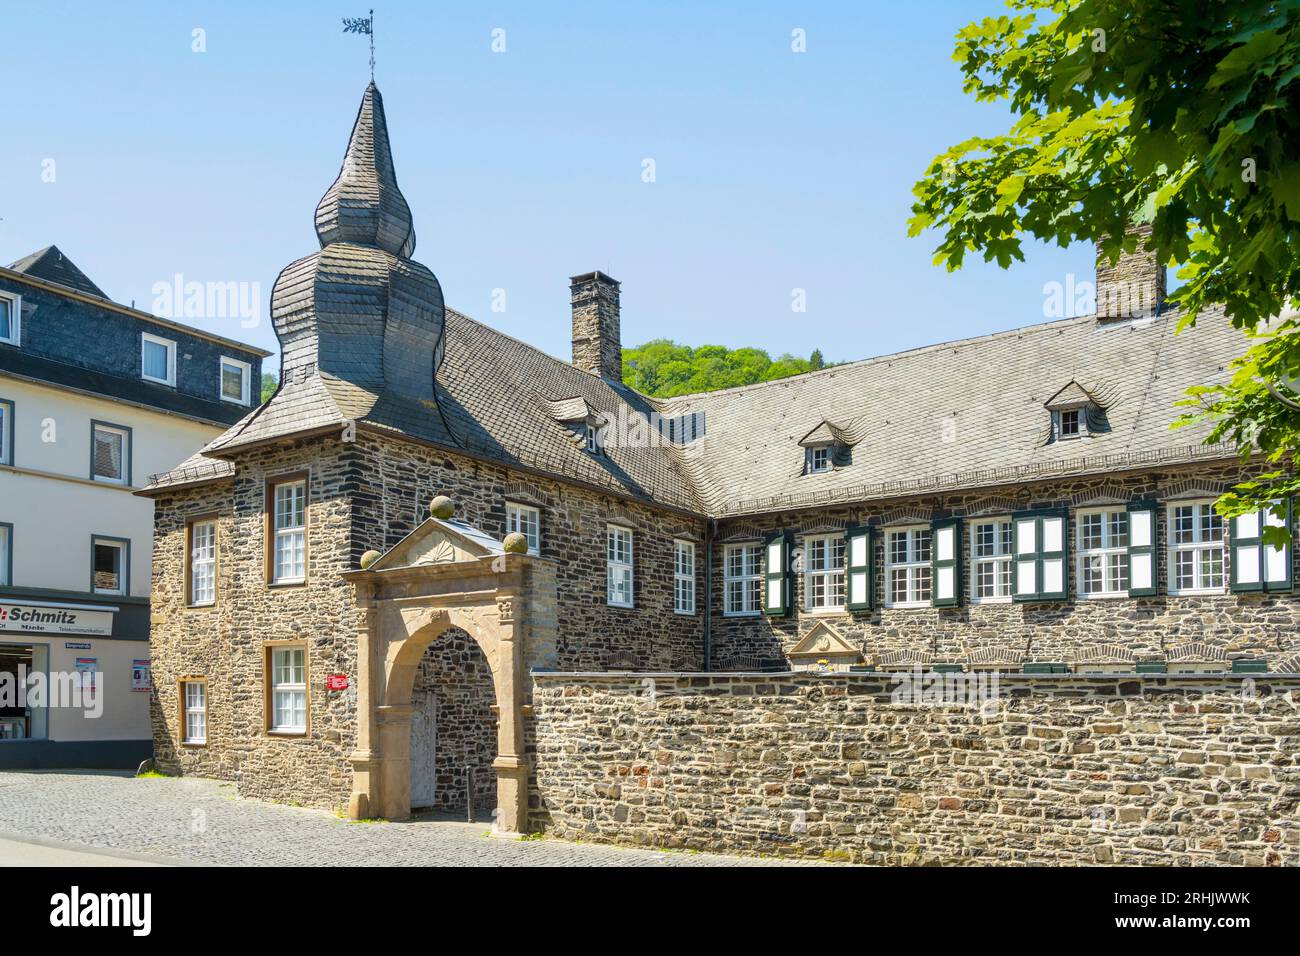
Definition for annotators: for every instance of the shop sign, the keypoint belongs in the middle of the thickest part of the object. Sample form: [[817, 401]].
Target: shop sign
[[56, 619]]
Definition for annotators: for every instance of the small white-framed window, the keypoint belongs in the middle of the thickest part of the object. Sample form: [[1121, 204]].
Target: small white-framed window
[[288, 690], [157, 359], [1195, 548], [11, 318], [110, 454], [824, 580], [203, 563], [289, 565], [6, 554], [819, 460], [6, 432], [593, 438], [195, 695], [1071, 423], [742, 580], [907, 566], [1102, 546], [683, 576], [527, 520], [618, 548], [990, 550], [109, 565], [236, 380]]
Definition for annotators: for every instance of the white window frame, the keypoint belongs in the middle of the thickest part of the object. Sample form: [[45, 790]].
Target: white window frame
[[619, 565], [1082, 412], [593, 442], [246, 370], [1107, 550], [835, 577], [6, 431], [527, 520], [195, 708], [148, 338], [750, 579], [1197, 545], [912, 565], [207, 562], [123, 564], [15, 319], [122, 433], [6, 554], [820, 460], [291, 688], [683, 577], [288, 532], [1005, 558]]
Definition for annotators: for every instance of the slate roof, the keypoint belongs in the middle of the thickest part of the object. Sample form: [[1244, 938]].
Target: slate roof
[[53, 266]]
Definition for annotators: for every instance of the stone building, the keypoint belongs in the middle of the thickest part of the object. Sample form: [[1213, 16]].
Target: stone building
[[1012, 502]]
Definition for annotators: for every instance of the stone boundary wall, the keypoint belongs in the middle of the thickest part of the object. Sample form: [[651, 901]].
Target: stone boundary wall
[[1056, 770]]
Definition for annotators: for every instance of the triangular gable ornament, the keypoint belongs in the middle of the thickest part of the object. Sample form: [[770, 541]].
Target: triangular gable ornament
[[824, 648]]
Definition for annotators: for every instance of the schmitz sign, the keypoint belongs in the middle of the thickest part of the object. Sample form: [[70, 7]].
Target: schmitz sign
[[56, 619]]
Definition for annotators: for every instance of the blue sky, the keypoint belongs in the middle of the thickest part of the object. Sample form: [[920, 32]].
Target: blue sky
[[774, 170]]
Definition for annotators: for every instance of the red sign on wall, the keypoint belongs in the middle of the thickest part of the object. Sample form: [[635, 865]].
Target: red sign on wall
[[336, 682]]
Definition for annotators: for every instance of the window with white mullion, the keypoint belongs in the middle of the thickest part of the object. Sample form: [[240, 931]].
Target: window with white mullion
[[289, 689], [196, 712], [1195, 548], [619, 564], [824, 581], [742, 579], [684, 577], [1103, 542], [203, 562], [907, 567], [527, 520], [991, 560], [157, 359], [290, 532]]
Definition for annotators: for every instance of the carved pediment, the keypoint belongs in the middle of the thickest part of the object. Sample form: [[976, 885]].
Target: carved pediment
[[823, 641], [437, 541]]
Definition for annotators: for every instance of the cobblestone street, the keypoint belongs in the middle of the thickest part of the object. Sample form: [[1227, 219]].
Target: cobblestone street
[[194, 821]]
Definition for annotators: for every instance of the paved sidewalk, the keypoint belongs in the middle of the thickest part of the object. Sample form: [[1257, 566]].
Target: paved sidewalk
[[197, 821]]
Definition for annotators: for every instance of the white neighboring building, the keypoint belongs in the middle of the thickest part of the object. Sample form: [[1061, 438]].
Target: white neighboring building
[[94, 398]]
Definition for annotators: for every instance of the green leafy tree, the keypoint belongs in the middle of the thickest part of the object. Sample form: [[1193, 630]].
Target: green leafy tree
[[1180, 114], [664, 368], [269, 382]]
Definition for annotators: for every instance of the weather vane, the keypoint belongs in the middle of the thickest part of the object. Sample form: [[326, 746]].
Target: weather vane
[[364, 25]]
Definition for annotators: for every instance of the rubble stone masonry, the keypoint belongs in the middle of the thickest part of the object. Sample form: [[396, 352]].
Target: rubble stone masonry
[[1172, 771]]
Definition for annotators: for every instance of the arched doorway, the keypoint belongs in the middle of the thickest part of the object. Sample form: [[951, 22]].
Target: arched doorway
[[448, 582]]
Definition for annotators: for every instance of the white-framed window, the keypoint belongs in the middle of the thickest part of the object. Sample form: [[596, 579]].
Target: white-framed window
[[527, 520], [742, 579], [819, 460], [618, 549], [11, 318], [907, 566], [990, 551], [288, 689], [824, 580], [683, 576], [108, 572], [236, 380], [289, 554], [111, 454], [1102, 548], [196, 712], [6, 554], [593, 438], [1071, 423], [1195, 548], [203, 563], [6, 432], [157, 359]]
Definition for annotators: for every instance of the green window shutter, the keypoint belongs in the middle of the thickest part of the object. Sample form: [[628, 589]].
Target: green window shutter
[[945, 563], [1039, 549], [1246, 546], [776, 578], [1141, 548], [1277, 561], [861, 568]]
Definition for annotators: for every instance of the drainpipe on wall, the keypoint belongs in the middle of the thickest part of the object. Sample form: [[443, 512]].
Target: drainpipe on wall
[[709, 527]]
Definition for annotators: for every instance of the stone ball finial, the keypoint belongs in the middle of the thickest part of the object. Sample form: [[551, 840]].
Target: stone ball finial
[[369, 558], [442, 507], [515, 543]]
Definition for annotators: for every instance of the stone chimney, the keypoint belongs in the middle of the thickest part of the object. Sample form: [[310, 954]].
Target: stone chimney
[[1134, 285], [597, 345]]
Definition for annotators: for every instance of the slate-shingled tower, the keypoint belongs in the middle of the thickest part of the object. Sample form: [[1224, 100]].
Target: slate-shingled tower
[[360, 309]]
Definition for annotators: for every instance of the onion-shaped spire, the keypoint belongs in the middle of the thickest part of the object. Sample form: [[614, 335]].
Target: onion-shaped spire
[[365, 206]]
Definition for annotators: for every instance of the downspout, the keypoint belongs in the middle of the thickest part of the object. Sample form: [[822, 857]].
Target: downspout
[[710, 524]]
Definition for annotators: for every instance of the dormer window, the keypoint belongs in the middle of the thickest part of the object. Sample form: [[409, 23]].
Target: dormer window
[[826, 447], [1075, 413], [593, 438], [819, 459], [1072, 423]]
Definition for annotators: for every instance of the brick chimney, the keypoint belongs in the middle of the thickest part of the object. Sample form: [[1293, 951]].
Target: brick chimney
[[597, 346], [1134, 285]]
